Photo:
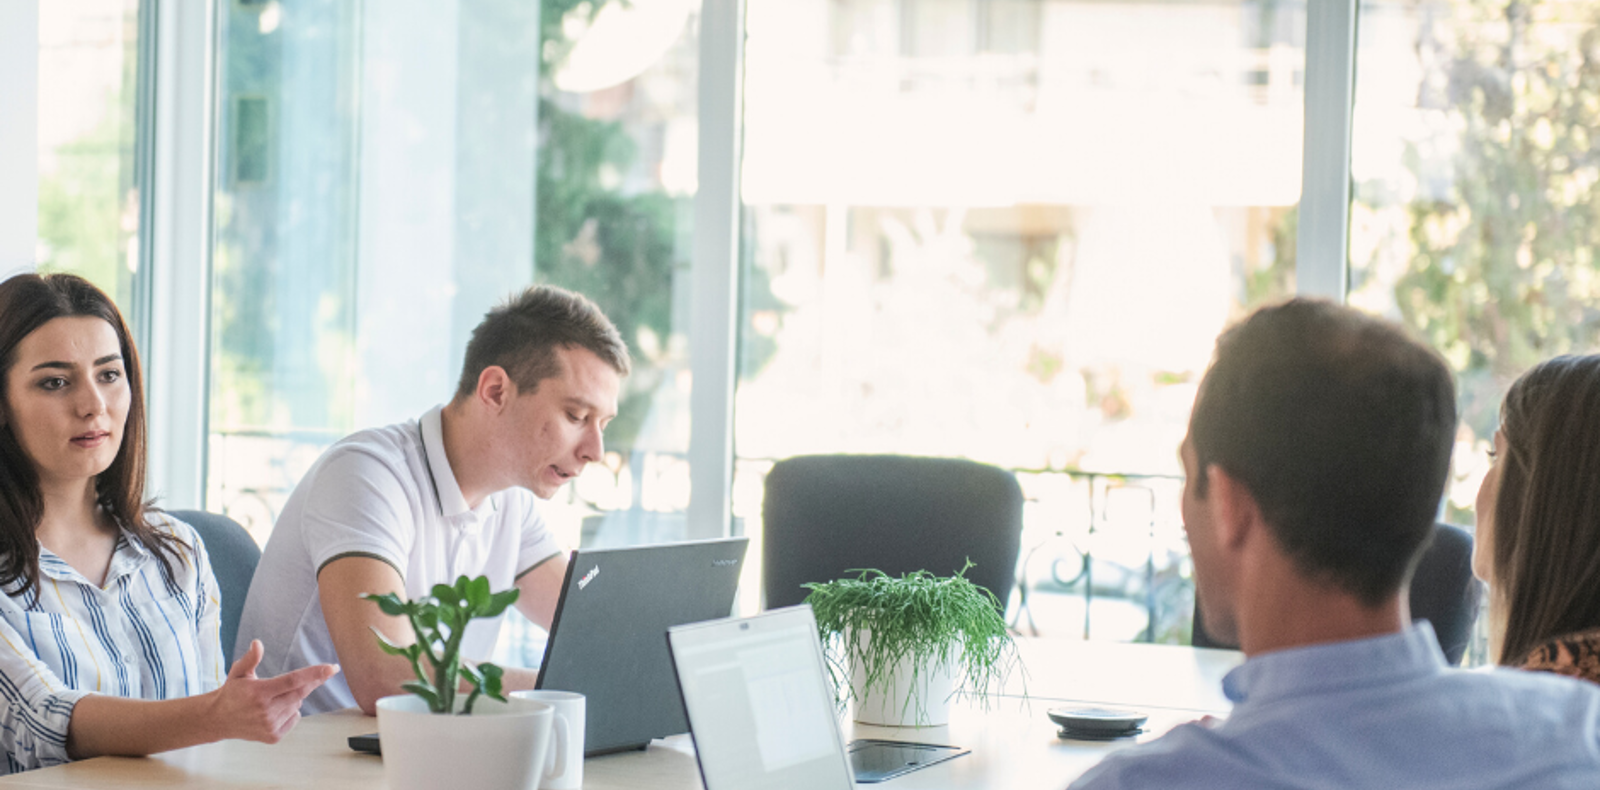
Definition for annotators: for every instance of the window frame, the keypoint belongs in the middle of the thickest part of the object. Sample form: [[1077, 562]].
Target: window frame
[[178, 126]]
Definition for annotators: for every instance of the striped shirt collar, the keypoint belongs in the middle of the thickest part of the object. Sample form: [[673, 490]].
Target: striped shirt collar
[[126, 558]]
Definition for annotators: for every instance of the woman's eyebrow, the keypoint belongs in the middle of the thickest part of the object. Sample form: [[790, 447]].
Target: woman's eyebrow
[[68, 365]]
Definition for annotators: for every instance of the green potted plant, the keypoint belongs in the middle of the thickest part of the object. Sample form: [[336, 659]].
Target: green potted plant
[[435, 736], [909, 644]]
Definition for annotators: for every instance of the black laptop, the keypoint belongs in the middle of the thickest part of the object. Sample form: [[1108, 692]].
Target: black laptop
[[607, 639]]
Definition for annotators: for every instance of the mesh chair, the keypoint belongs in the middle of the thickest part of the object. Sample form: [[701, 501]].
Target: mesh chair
[[826, 515], [1443, 592], [234, 556]]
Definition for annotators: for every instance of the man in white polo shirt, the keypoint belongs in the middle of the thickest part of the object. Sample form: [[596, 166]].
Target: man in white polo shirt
[[404, 507]]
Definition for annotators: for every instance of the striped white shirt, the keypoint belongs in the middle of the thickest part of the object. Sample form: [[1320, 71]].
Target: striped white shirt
[[145, 634]]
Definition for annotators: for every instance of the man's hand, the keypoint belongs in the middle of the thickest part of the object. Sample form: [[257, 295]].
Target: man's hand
[[253, 709]]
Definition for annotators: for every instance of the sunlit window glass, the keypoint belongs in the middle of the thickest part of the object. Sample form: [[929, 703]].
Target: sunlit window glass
[[1010, 231], [374, 197], [88, 191], [617, 169], [1477, 186]]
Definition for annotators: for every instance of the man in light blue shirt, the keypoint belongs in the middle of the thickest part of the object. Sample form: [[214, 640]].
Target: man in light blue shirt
[[1317, 451]]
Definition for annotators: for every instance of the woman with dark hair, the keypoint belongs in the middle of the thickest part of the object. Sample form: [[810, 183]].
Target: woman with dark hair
[[109, 639], [1538, 541]]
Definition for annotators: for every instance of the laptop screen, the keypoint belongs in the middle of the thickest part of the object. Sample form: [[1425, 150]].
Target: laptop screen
[[758, 703]]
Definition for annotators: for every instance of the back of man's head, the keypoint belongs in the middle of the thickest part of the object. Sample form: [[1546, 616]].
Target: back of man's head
[[1340, 427], [521, 336]]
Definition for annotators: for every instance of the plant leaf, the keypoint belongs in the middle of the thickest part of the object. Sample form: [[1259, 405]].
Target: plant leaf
[[478, 593], [429, 618], [427, 693], [499, 602], [439, 621], [446, 594], [492, 676], [389, 603], [407, 651]]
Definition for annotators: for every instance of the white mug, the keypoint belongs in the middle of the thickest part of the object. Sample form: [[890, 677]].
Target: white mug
[[564, 767]]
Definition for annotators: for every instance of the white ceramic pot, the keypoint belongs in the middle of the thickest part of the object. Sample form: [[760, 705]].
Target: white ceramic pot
[[501, 746], [911, 698]]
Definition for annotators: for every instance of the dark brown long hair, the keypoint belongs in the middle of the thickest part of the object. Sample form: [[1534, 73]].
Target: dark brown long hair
[[1546, 531], [27, 302]]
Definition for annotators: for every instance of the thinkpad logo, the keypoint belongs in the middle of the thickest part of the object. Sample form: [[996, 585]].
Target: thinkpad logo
[[589, 577], [723, 563]]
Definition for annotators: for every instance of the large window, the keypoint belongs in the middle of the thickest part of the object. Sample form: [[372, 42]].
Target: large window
[[374, 196], [616, 164], [387, 172], [1476, 214], [1011, 231], [89, 197], [386, 175], [1001, 229]]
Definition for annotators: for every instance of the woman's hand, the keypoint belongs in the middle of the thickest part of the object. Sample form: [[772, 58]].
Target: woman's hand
[[253, 709]]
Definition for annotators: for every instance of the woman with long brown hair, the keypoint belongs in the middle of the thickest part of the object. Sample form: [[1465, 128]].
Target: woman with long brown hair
[[1538, 541], [109, 638]]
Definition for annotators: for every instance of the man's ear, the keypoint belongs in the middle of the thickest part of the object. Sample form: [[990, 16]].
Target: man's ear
[[495, 389], [1234, 510]]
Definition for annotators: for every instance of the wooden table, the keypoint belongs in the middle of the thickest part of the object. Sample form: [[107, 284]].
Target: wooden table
[[1013, 744]]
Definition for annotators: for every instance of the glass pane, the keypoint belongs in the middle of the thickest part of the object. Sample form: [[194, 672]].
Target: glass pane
[[1010, 231], [386, 172], [617, 168], [88, 191], [374, 196], [1474, 218]]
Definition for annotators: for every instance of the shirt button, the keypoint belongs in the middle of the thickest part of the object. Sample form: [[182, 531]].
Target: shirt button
[[127, 659]]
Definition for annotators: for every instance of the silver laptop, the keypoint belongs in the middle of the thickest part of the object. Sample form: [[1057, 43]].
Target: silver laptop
[[759, 704], [762, 715]]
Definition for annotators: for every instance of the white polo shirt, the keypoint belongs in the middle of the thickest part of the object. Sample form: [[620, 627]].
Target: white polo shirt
[[386, 493]]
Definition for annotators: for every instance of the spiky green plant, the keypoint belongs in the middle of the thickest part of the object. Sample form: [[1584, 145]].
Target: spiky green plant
[[876, 620], [440, 621]]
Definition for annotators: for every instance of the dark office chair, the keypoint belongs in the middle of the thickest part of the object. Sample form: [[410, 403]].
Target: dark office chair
[[1443, 592], [826, 515], [234, 556]]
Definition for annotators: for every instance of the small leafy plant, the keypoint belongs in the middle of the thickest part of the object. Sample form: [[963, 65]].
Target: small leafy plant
[[876, 620], [440, 621]]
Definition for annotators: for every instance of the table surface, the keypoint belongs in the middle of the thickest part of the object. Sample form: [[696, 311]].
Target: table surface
[[1013, 744]]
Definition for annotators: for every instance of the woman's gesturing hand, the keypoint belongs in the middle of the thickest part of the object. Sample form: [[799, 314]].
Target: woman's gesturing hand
[[255, 709]]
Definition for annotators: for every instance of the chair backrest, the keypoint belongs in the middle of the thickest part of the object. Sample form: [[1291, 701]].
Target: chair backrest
[[1443, 592], [234, 556], [826, 515]]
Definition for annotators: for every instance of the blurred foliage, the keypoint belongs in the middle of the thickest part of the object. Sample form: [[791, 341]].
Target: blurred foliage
[[615, 248], [89, 202], [621, 247], [1275, 281], [1502, 272]]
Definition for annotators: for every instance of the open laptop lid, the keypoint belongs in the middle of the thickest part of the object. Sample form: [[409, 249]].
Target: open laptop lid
[[605, 642], [758, 703]]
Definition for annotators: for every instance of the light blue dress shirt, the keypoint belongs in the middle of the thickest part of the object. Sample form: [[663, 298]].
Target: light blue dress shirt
[[144, 634], [1385, 712]]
